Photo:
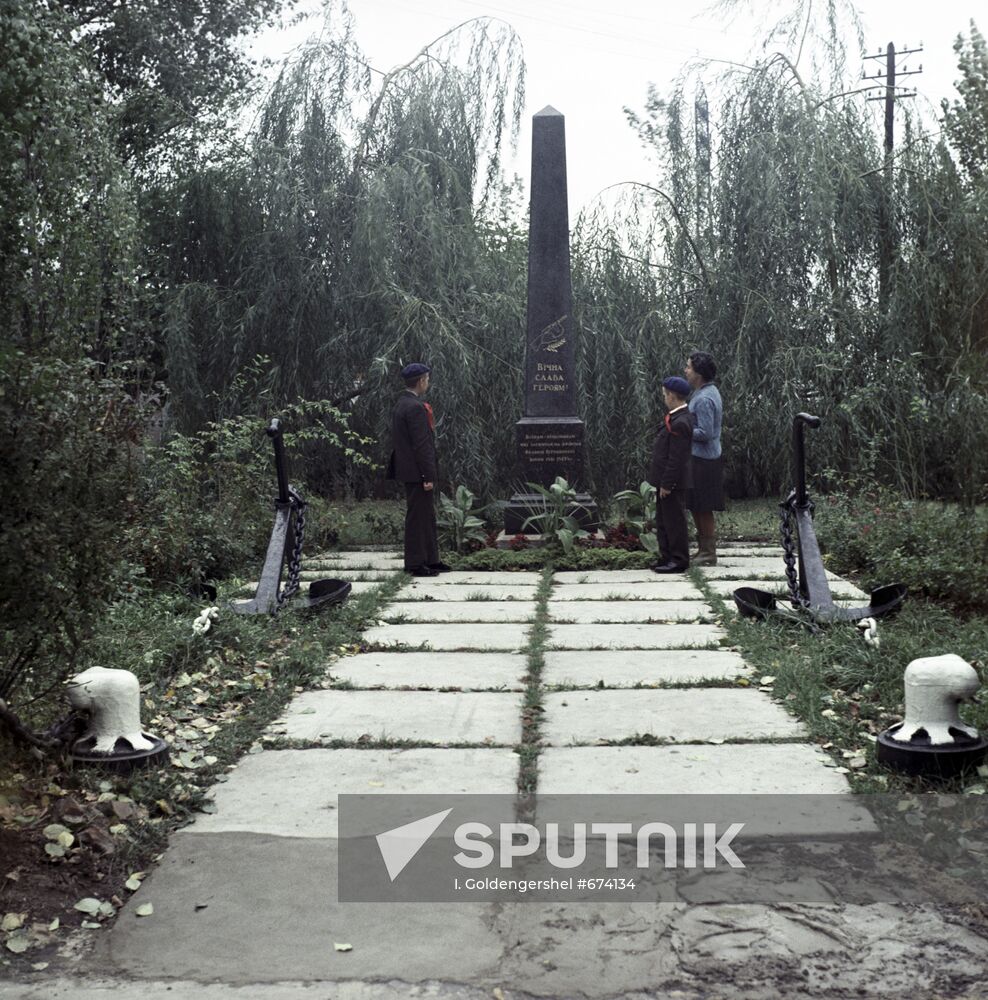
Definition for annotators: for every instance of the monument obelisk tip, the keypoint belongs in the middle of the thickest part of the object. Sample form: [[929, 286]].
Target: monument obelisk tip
[[548, 112]]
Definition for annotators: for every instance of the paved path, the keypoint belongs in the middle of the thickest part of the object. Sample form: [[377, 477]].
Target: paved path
[[246, 895]]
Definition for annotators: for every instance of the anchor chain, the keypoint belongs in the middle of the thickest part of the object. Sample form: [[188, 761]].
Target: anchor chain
[[789, 552], [295, 561]]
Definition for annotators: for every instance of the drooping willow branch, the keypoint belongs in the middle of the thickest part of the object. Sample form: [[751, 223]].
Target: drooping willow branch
[[679, 219]]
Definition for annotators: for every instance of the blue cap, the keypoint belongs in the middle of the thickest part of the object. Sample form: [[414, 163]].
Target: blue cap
[[678, 385], [415, 370]]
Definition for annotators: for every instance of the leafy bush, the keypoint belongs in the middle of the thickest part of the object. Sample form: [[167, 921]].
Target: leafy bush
[[555, 519], [459, 523], [537, 558], [500, 559], [205, 500], [64, 478], [637, 516], [937, 550]]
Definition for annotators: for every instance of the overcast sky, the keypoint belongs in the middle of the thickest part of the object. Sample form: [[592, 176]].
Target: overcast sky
[[589, 59]]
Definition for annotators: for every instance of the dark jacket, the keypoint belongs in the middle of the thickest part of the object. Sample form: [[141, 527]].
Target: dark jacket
[[671, 453], [414, 457]]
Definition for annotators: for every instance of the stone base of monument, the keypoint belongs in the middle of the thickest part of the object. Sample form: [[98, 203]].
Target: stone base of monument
[[506, 541], [523, 505]]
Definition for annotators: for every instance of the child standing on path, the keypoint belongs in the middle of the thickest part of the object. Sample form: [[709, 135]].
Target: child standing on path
[[669, 473]]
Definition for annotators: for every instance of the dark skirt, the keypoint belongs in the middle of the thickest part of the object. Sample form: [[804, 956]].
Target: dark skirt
[[707, 492]]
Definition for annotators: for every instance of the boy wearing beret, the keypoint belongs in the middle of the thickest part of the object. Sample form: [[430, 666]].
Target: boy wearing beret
[[669, 473], [413, 462]]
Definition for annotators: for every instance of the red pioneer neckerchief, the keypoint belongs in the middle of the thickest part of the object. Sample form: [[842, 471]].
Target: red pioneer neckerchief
[[429, 414]]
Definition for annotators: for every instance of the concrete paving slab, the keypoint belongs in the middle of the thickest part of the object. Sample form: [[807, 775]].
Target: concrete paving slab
[[690, 769], [769, 571], [587, 612], [460, 611], [481, 577], [346, 573], [838, 588], [508, 637], [440, 717], [426, 590], [48, 987], [678, 715], [356, 555], [360, 561], [626, 668], [675, 590], [796, 796], [727, 549], [271, 914], [632, 636], [758, 562], [483, 671], [612, 576], [359, 586], [295, 793]]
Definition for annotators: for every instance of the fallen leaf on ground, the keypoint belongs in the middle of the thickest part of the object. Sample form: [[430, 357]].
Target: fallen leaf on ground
[[11, 921], [144, 910], [341, 946]]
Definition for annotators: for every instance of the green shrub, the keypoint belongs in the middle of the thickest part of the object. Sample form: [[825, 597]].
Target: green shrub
[[555, 518], [537, 558], [205, 503], [938, 550], [460, 524], [333, 523], [500, 559], [65, 472]]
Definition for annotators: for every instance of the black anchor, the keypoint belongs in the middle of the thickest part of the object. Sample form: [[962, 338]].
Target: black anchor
[[284, 545], [810, 592]]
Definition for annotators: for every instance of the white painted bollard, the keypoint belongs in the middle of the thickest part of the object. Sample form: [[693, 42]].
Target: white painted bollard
[[932, 738], [113, 700]]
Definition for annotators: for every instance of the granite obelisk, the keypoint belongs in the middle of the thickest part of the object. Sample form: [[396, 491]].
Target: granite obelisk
[[550, 432]]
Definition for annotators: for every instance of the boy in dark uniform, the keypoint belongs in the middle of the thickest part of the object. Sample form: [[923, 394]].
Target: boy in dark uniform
[[413, 462], [669, 473]]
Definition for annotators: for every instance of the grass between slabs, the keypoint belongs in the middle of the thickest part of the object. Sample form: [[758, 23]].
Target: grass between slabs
[[532, 710]]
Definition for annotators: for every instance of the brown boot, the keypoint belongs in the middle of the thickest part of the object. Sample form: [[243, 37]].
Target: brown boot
[[707, 554]]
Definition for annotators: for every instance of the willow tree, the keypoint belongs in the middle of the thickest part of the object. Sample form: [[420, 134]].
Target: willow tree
[[780, 214], [358, 228]]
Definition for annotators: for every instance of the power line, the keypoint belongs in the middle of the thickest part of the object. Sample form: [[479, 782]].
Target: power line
[[892, 94]]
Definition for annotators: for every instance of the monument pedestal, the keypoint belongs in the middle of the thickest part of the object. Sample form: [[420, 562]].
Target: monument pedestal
[[548, 447], [505, 541], [523, 505]]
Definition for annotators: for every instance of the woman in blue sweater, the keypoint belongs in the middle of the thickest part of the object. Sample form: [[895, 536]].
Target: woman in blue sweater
[[707, 492]]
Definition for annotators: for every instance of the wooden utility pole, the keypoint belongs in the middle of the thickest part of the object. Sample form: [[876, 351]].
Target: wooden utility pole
[[886, 229]]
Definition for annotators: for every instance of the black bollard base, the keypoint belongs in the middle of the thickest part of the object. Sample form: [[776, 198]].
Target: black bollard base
[[123, 758], [941, 761], [754, 603], [327, 592]]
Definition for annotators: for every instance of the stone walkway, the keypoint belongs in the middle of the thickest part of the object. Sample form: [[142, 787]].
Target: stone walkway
[[247, 894]]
